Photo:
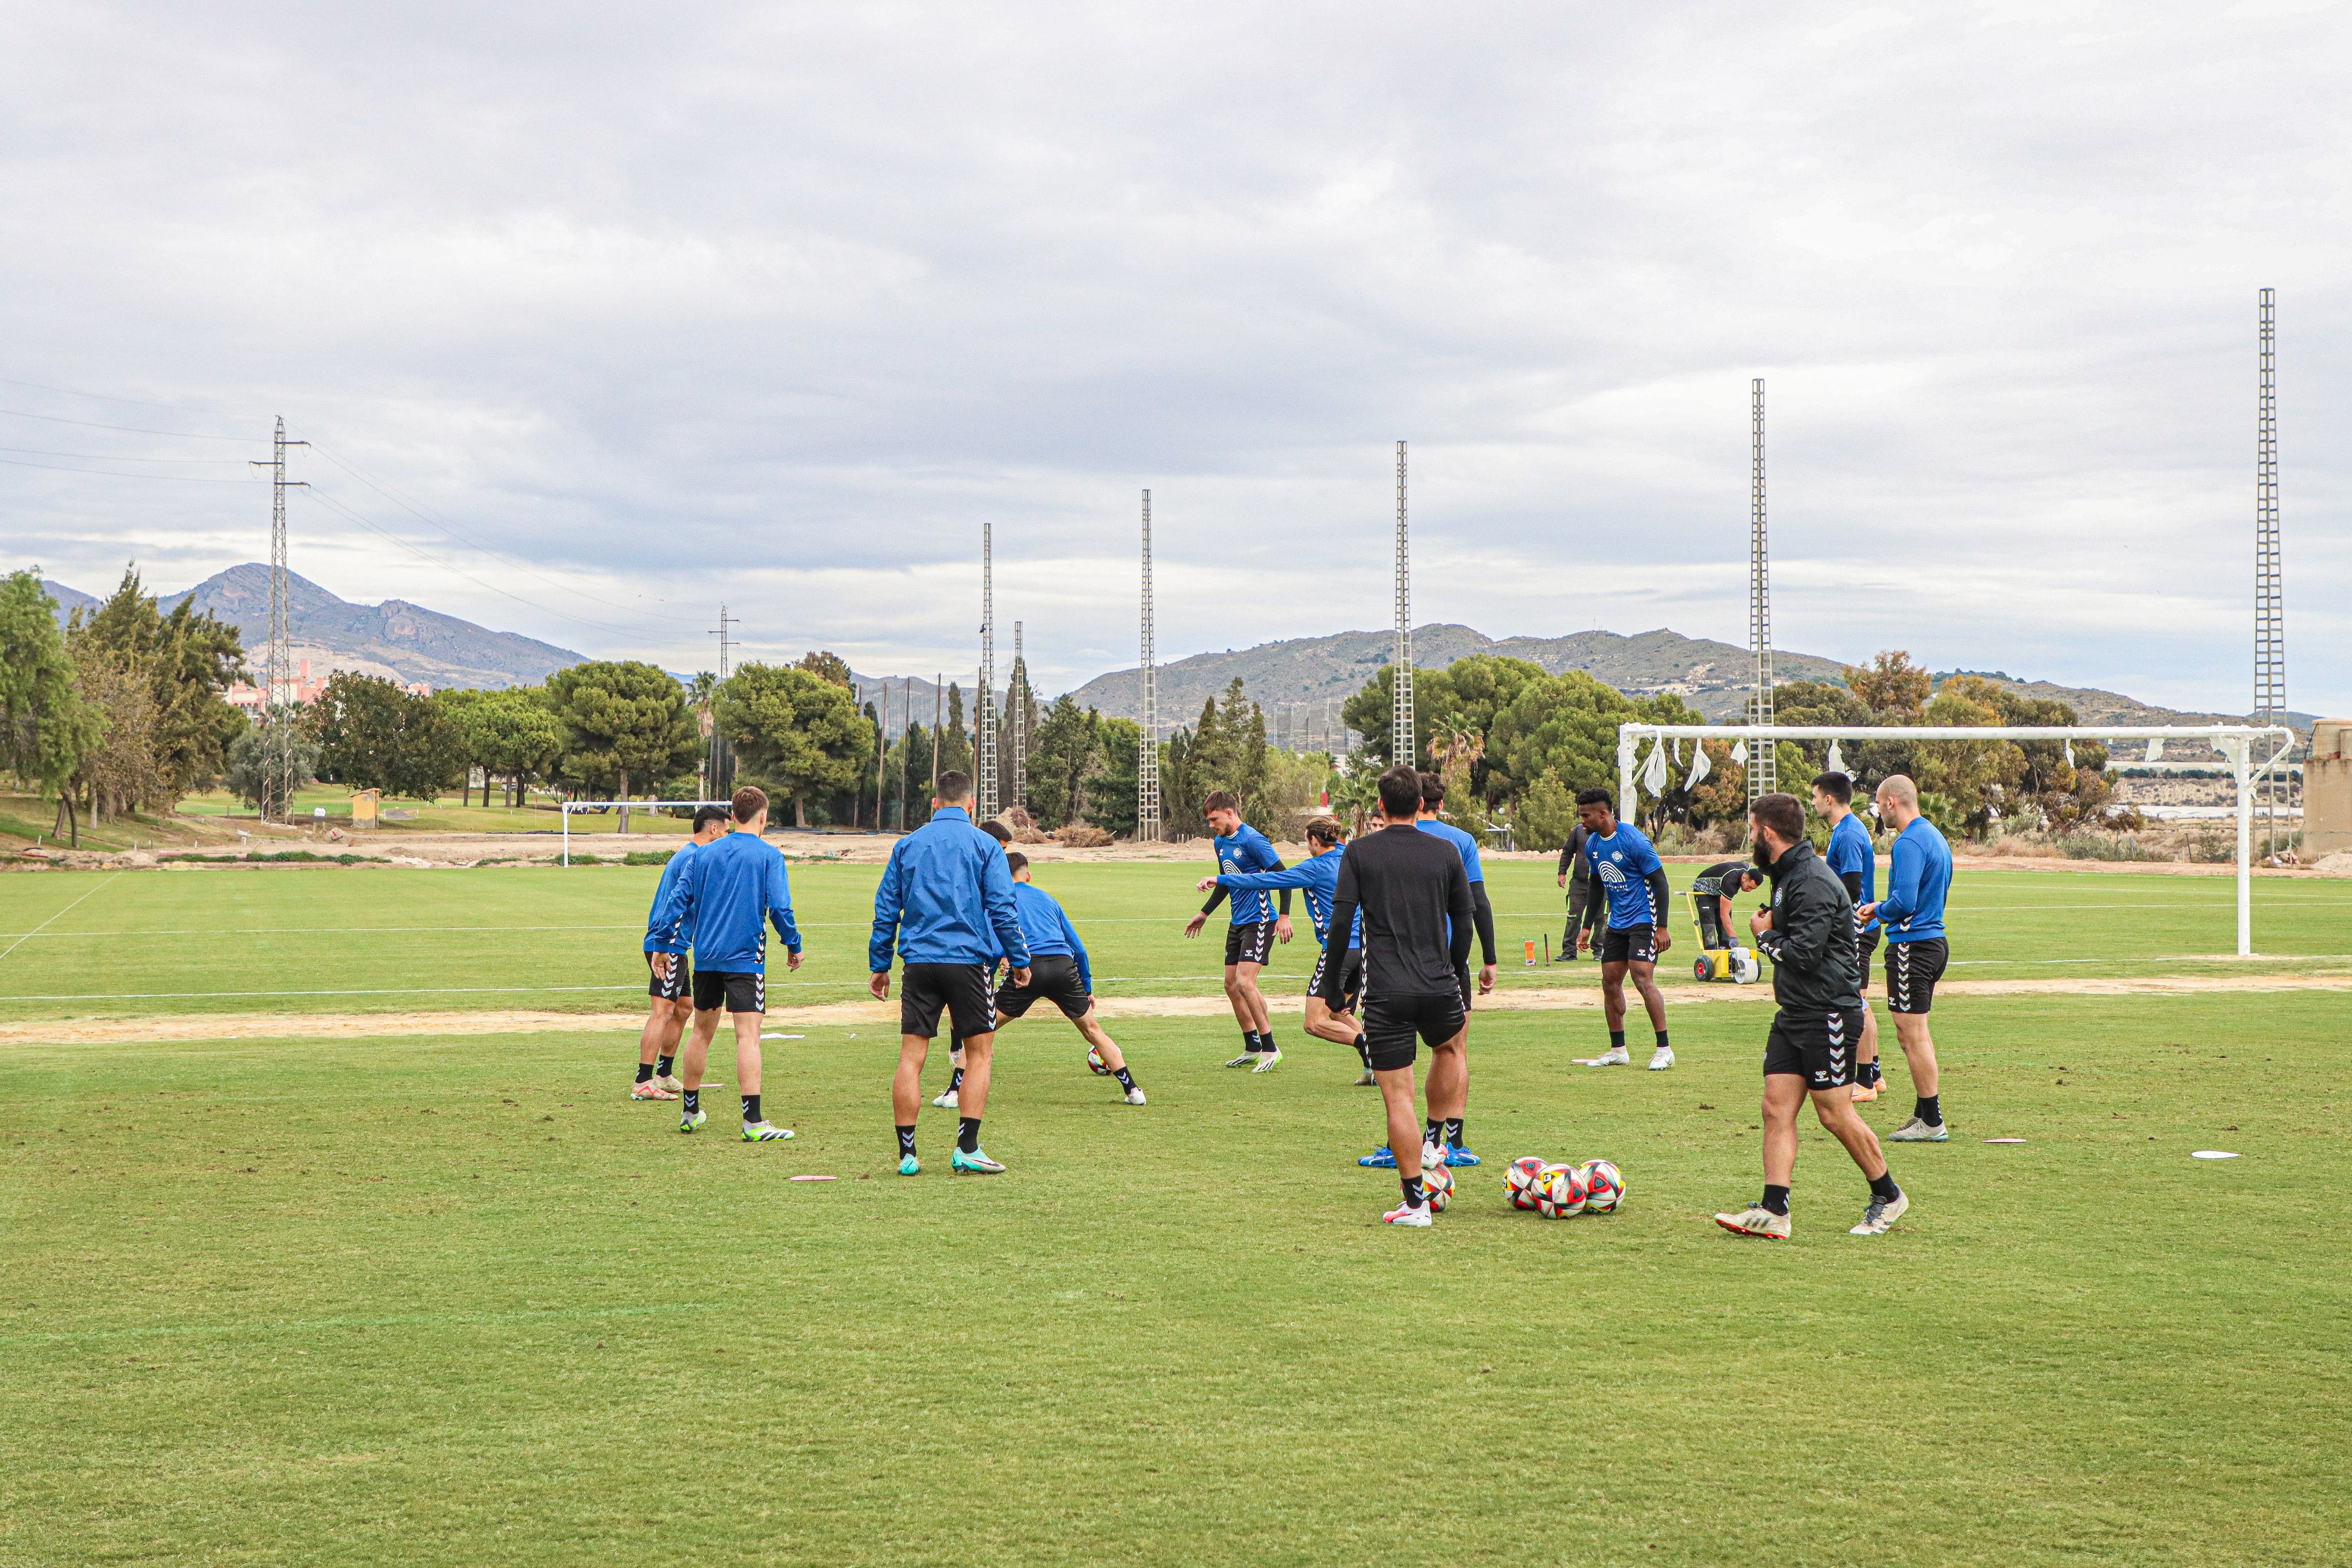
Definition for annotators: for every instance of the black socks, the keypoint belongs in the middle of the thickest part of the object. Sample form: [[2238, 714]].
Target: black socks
[[1364, 1051], [1662, 1041], [956, 1082], [1776, 1198], [905, 1141], [645, 1073], [751, 1109], [1265, 1041], [968, 1134], [1929, 1111], [1433, 1132], [1883, 1186], [1454, 1132], [1616, 1039], [1413, 1196], [662, 1071], [1250, 1042], [1867, 1074], [693, 1100], [1126, 1079]]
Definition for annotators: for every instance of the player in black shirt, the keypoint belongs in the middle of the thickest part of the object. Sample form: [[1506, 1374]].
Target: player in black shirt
[[1414, 894], [1586, 908]]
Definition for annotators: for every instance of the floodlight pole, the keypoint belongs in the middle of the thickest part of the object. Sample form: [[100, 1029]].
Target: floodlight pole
[[1016, 705], [1146, 756], [1402, 747], [984, 725], [2270, 599], [1763, 768], [278, 665]]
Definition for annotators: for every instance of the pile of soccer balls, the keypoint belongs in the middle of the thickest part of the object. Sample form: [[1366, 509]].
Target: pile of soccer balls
[[1561, 1191]]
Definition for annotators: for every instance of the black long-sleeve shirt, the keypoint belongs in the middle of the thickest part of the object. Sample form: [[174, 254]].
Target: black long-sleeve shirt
[[1815, 967], [1410, 886]]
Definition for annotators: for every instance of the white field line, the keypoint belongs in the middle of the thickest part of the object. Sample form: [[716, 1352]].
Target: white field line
[[54, 918]]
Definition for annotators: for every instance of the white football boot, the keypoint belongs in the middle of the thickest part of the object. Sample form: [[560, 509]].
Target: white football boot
[[1880, 1216], [1135, 1097], [1663, 1059]]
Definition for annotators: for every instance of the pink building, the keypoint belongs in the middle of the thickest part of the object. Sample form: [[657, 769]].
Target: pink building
[[248, 698]]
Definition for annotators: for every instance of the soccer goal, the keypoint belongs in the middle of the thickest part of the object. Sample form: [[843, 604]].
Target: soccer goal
[[569, 807], [2239, 743]]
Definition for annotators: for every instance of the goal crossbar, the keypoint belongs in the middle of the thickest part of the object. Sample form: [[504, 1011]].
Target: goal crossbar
[[569, 806], [2236, 742]]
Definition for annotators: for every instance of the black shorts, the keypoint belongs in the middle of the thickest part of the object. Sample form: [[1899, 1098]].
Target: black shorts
[[1631, 945], [680, 982], [1819, 1050], [1054, 978], [741, 992], [1351, 978], [1393, 1024], [1251, 943], [959, 989], [1866, 942], [1912, 970]]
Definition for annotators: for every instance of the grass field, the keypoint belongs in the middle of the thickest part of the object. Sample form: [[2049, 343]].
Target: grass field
[[373, 939], [429, 1303]]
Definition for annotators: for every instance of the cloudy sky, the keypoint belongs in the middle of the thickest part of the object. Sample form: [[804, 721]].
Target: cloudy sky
[[599, 315]]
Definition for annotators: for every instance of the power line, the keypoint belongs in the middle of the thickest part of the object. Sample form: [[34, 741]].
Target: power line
[[114, 457], [93, 396], [129, 429], [104, 474]]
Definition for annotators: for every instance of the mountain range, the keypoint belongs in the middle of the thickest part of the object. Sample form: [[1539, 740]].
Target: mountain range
[[1300, 681], [396, 639]]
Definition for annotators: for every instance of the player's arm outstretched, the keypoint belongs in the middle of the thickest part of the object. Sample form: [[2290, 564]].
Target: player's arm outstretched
[[1347, 898], [1192, 927]]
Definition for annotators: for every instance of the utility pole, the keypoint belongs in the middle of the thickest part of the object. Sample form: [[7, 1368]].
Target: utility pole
[[881, 753], [719, 766], [1763, 758], [905, 728], [1147, 753], [983, 729], [938, 724], [1018, 701], [280, 703], [1401, 746], [2276, 794]]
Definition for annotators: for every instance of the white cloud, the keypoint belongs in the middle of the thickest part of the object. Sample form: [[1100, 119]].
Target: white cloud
[[778, 307]]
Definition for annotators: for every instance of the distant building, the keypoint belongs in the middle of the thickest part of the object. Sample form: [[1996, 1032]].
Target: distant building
[[249, 698]]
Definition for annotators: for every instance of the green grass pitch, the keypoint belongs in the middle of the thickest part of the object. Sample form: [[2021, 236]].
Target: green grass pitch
[[361, 939], [456, 1300]]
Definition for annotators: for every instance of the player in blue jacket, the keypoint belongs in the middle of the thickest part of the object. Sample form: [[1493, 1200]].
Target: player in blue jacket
[[945, 902], [1315, 877], [1918, 876], [1631, 876], [727, 894], [1854, 861], [1060, 974], [669, 973], [1250, 939]]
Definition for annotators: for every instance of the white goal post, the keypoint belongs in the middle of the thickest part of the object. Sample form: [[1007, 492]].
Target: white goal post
[[2234, 741], [569, 807]]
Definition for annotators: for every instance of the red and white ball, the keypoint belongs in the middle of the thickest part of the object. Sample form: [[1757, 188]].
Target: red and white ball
[[1561, 1193], [1604, 1187]]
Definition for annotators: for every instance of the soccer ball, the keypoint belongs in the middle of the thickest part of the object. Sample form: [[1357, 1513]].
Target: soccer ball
[[1561, 1193], [1604, 1187], [1094, 1063], [1520, 1178], [1437, 1185]]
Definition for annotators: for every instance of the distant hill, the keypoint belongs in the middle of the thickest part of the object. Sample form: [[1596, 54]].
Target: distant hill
[[396, 639]]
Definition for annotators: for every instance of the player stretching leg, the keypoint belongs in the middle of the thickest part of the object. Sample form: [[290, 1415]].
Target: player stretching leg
[[1918, 878], [1250, 939], [1315, 877], [672, 982], [1855, 862], [727, 894], [1445, 1130], [946, 904], [947, 1102], [1414, 896], [1808, 934], [1059, 973], [1634, 882]]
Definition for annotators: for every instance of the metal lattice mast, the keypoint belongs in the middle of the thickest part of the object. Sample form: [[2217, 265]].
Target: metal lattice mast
[[1401, 746], [1763, 769], [2274, 792], [280, 703], [983, 728], [1146, 755], [1016, 704]]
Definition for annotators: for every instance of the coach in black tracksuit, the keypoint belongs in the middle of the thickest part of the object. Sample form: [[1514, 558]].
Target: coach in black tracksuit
[[1585, 907], [1414, 893], [1808, 934]]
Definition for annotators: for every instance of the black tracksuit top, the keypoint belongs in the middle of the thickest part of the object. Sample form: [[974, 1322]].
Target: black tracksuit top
[[1409, 884], [1816, 967]]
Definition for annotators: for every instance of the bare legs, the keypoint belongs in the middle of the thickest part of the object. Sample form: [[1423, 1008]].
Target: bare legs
[[1784, 1093]]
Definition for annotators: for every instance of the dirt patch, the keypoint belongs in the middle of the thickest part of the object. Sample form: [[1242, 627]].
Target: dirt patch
[[835, 1015]]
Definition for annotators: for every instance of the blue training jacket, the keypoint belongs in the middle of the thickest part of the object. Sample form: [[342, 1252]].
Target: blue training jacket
[[1623, 861], [947, 897], [1047, 927], [1851, 851], [1916, 881], [728, 892], [1247, 850], [674, 937], [1318, 876], [1462, 841]]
